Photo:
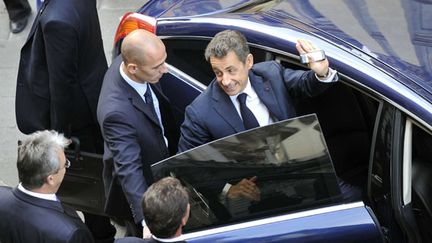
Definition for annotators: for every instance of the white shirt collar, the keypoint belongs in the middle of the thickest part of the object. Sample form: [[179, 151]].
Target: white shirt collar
[[141, 88], [247, 90], [178, 238], [51, 196]]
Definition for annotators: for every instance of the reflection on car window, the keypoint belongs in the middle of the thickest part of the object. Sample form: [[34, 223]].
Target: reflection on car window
[[289, 159]]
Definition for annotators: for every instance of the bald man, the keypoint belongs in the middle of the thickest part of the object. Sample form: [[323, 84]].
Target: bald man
[[137, 125]]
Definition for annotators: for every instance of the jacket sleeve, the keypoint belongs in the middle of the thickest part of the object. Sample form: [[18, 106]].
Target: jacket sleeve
[[302, 84], [193, 131], [122, 141], [81, 235], [61, 47]]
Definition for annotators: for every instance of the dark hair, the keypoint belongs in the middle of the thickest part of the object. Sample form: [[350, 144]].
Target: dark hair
[[226, 41], [38, 157], [164, 206]]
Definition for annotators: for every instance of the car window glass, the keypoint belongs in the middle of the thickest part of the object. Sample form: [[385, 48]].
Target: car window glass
[[347, 116], [422, 181], [289, 159], [188, 56]]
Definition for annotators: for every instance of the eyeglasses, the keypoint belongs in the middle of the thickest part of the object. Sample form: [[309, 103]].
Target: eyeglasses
[[67, 164]]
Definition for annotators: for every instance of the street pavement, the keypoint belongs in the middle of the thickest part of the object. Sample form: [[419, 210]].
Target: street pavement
[[110, 13]]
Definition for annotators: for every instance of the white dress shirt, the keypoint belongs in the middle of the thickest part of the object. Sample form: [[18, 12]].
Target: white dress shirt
[[51, 196], [179, 238], [258, 108], [141, 88]]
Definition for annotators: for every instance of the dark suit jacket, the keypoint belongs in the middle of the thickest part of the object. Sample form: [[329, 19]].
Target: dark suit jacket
[[133, 141], [139, 240], [29, 219], [212, 114], [61, 69]]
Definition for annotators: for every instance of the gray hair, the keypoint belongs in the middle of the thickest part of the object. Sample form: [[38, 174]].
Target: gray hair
[[226, 41], [164, 206], [38, 157]]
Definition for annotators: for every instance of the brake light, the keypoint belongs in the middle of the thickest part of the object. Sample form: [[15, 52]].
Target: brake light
[[132, 21]]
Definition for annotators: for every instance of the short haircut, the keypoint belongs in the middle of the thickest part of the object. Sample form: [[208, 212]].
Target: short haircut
[[164, 206], [226, 41], [38, 157]]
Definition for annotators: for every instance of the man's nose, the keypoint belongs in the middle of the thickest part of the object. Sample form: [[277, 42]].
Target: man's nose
[[225, 79]]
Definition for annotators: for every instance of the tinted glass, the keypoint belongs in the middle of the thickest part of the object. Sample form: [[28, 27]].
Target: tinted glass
[[289, 159]]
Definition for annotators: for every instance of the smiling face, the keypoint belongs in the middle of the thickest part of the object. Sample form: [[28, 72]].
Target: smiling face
[[231, 73]]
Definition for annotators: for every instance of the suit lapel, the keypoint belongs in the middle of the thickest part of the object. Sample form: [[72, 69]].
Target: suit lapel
[[266, 95], [163, 100], [138, 102], [36, 20], [225, 108]]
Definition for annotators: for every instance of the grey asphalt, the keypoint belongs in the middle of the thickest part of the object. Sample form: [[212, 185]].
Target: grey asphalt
[[110, 12]]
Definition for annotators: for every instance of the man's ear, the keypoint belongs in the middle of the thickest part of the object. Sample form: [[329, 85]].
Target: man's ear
[[249, 61], [49, 180], [131, 68], [184, 220], [186, 216]]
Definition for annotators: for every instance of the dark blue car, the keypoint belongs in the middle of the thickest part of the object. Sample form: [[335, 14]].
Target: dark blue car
[[375, 123]]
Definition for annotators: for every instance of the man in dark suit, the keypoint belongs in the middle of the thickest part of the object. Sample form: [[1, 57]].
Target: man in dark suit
[[166, 209], [137, 125], [19, 11], [31, 212], [60, 74], [268, 90]]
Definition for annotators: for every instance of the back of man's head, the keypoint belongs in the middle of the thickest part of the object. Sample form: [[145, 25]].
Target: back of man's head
[[38, 157], [165, 207], [138, 45]]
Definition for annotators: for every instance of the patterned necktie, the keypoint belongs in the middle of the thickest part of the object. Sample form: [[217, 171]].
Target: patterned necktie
[[149, 100], [249, 120]]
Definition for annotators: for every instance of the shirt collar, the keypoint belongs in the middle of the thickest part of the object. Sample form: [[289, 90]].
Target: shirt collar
[[141, 88], [175, 239], [50, 196], [247, 90]]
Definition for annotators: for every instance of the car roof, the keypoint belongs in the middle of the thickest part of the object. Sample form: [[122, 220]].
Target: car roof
[[395, 34]]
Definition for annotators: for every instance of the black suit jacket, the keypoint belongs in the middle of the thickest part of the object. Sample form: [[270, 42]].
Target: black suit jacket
[[212, 114], [61, 69], [139, 240], [133, 141], [25, 218]]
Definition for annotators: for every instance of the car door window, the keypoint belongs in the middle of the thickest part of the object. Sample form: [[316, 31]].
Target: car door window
[[347, 116], [187, 55], [421, 194], [289, 159]]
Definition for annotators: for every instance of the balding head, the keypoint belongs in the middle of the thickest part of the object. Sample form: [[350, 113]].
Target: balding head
[[144, 56], [138, 45]]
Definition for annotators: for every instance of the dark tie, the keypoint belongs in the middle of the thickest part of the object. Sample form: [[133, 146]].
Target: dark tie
[[149, 100], [249, 120]]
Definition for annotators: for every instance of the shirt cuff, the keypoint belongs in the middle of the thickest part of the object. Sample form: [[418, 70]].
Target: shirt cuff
[[226, 189], [143, 223], [330, 77]]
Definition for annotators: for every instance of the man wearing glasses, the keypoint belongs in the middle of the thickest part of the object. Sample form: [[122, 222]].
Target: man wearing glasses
[[31, 212]]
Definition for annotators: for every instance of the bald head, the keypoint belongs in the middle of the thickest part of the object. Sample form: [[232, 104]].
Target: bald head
[[144, 57], [140, 45]]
